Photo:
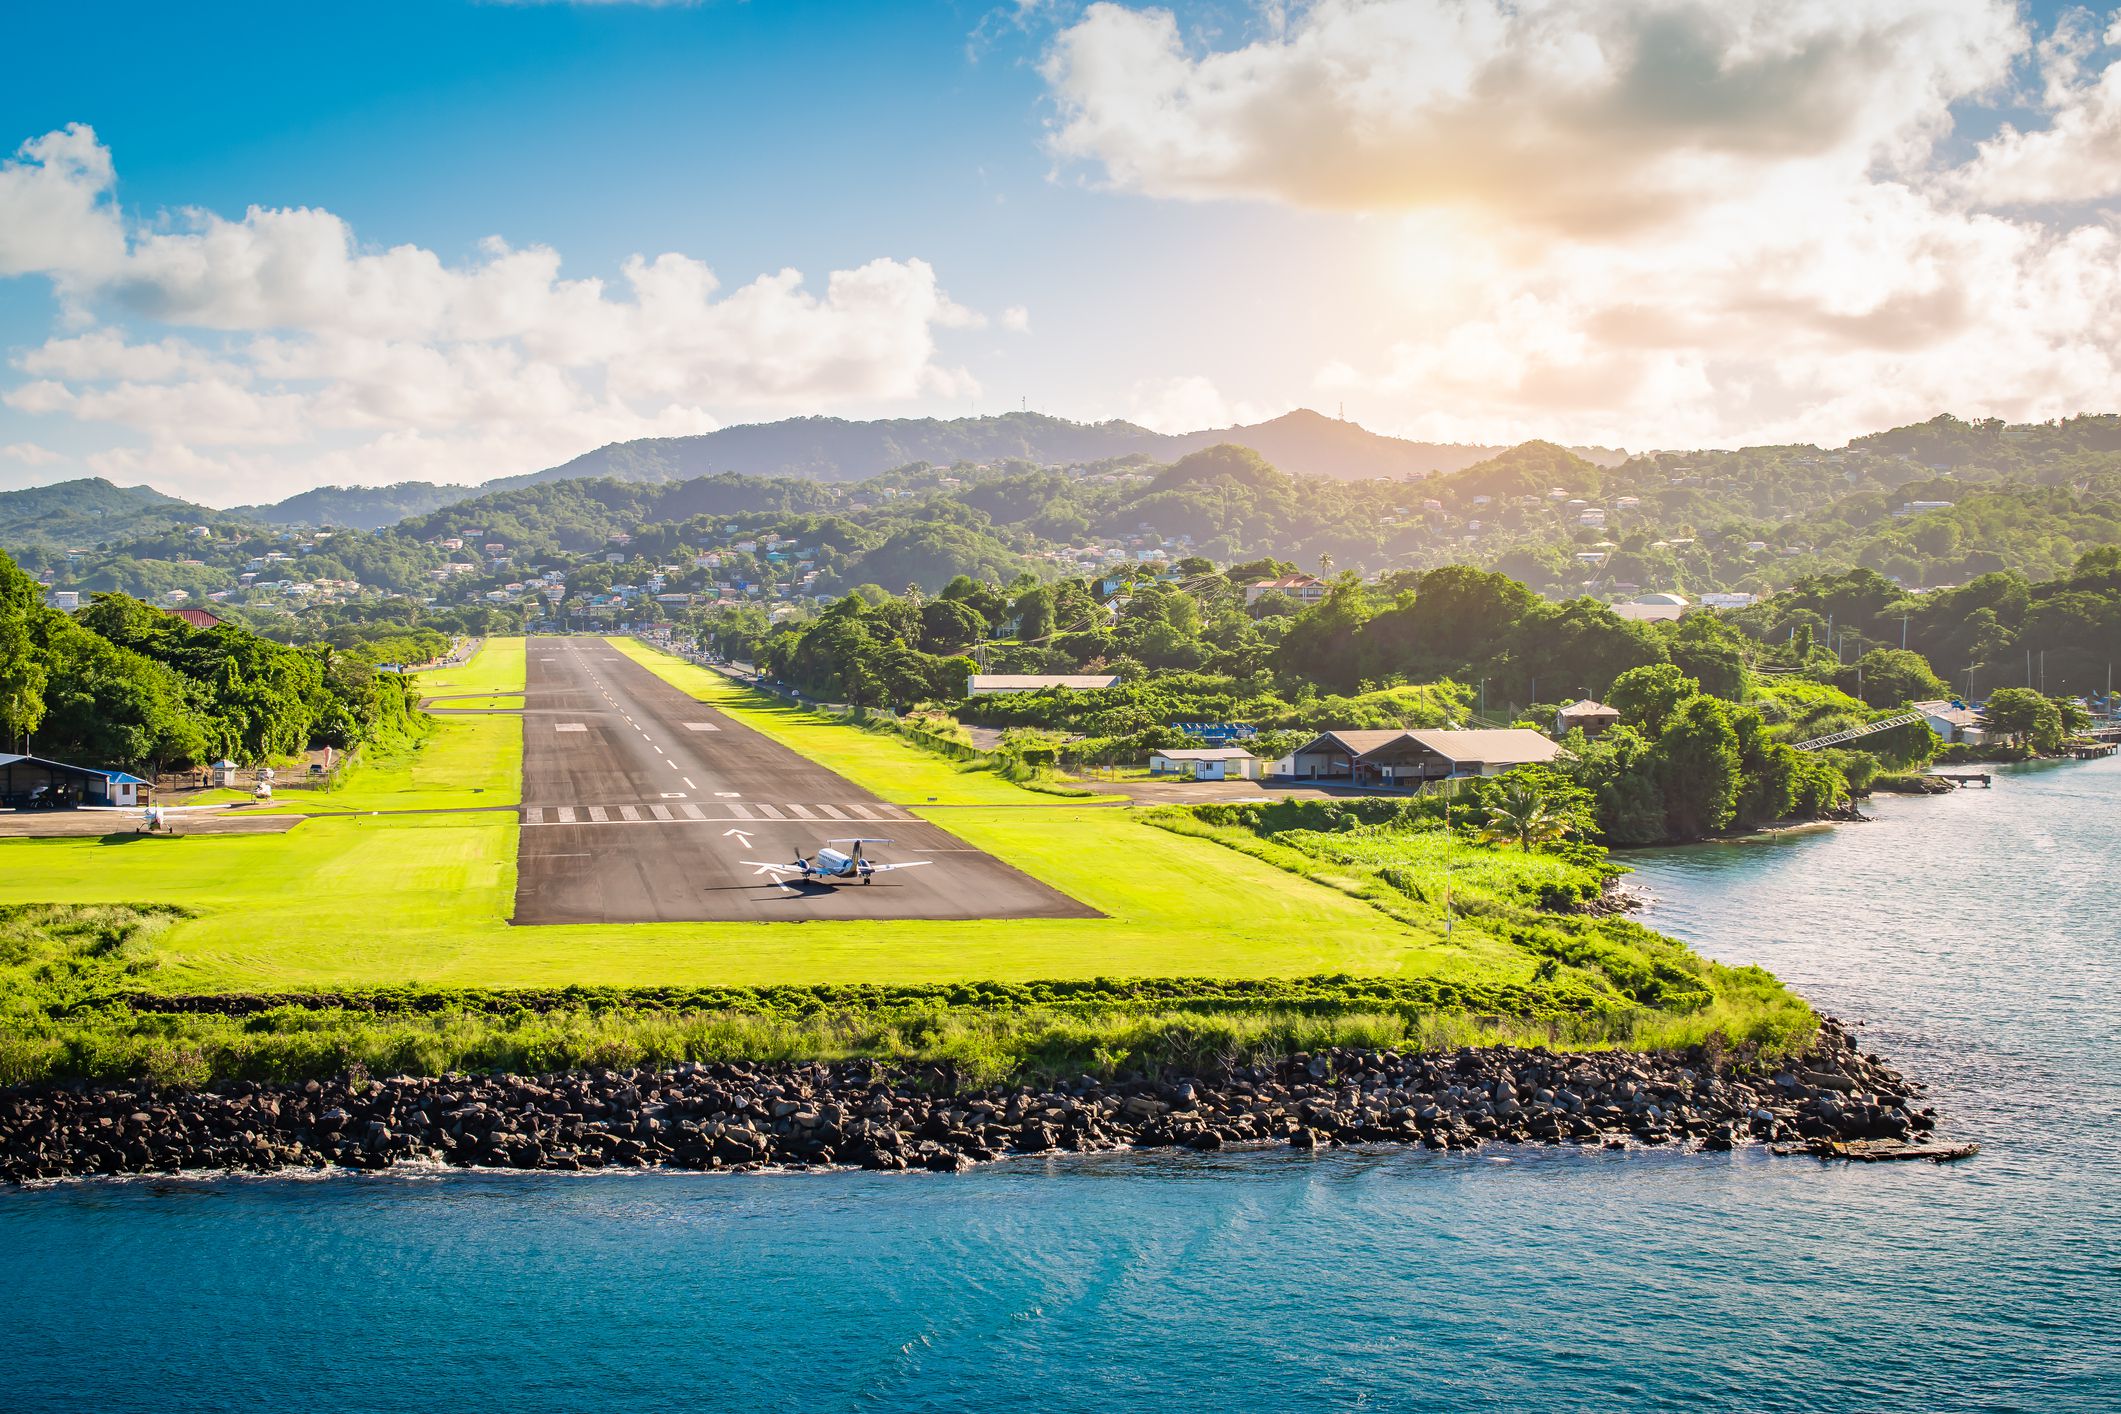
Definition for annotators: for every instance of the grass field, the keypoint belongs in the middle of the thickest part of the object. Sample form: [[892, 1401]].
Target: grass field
[[373, 893], [384, 899], [458, 762]]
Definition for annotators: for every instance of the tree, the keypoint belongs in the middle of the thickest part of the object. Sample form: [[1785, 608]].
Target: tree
[[1648, 696], [1618, 770], [1698, 770], [1522, 816], [1893, 677], [2024, 716], [948, 626], [1034, 613], [22, 679]]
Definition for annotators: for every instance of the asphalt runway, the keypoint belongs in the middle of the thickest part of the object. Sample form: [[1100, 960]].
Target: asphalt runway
[[642, 804]]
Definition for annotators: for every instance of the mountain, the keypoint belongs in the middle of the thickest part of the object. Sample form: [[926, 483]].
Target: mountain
[[834, 449], [92, 510], [1307, 443], [1303, 442], [358, 507]]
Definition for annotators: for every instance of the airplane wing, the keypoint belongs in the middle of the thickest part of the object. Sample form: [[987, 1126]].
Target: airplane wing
[[909, 864]]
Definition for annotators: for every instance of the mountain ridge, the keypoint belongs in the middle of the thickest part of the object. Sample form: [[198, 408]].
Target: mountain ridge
[[839, 450]]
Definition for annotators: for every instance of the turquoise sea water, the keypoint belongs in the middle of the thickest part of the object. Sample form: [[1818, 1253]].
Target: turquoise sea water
[[1977, 937]]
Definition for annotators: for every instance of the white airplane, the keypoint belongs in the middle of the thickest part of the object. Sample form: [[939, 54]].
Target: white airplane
[[832, 865]]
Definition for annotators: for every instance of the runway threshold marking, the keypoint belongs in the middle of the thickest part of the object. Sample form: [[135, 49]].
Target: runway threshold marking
[[569, 727]]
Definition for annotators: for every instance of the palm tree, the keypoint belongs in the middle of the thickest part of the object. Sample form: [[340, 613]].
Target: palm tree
[[1523, 816]]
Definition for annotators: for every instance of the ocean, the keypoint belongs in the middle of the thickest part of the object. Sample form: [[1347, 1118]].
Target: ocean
[[1974, 936]]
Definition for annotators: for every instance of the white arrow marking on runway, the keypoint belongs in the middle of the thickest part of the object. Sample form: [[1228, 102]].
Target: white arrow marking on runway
[[743, 837]]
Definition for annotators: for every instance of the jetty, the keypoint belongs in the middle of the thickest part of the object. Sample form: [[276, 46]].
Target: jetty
[[1963, 778]]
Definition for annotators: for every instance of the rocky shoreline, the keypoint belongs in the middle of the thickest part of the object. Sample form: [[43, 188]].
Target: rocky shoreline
[[1834, 1101]]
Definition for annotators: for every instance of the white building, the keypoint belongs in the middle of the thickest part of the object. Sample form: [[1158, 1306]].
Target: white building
[[991, 684], [1207, 763]]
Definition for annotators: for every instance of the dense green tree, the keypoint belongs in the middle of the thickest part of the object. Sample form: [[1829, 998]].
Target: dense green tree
[[1697, 767], [1893, 677], [1648, 696], [2024, 716]]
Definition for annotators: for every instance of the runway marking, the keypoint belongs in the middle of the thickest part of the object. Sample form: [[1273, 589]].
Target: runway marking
[[661, 812], [683, 814], [688, 781], [728, 793], [566, 813], [673, 795], [767, 811], [701, 727], [596, 813], [740, 812], [627, 812], [801, 812], [569, 727]]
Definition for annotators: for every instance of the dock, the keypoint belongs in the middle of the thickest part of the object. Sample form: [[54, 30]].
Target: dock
[[1963, 778]]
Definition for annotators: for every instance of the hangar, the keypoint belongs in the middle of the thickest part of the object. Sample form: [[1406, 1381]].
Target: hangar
[[1399, 758], [32, 781]]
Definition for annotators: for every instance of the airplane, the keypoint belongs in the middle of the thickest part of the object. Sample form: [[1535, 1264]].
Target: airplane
[[832, 865]]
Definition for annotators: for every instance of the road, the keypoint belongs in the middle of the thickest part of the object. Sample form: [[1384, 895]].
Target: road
[[641, 804]]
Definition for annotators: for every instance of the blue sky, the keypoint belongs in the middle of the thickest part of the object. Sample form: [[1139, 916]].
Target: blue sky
[[1099, 209]]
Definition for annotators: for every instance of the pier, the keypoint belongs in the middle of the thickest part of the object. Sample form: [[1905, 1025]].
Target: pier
[[1963, 778]]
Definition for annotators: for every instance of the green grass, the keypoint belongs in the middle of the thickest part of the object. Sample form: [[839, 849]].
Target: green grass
[[452, 763], [371, 901], [878, 761], [353, 901], [68, 974]]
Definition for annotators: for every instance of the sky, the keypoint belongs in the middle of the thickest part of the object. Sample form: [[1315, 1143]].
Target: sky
[[301, 245]]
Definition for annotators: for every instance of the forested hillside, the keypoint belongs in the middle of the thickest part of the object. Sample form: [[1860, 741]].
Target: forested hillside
[[93, 511], [123, 684]]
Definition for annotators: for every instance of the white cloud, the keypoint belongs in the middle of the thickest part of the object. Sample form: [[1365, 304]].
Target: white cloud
[[301, 338], [1016, 319], [2077, 156], [1559, 114], [1656, 222], [30, 454], [1188, 404], [55, 210]]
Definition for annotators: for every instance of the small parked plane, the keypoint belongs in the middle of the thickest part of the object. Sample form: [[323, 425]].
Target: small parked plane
[[832, 865]]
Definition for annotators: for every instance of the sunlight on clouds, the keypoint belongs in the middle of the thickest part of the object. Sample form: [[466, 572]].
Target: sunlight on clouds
[[1661, 223]]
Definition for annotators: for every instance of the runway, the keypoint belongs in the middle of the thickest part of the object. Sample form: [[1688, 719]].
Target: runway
[[641, 804]]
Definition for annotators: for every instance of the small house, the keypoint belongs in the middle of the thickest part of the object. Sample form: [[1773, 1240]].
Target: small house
[[1592, 717], [1301, 587], [1206, 763], [1957, 723]]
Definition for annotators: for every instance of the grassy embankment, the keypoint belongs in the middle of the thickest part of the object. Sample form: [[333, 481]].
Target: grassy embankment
[[403, 918]]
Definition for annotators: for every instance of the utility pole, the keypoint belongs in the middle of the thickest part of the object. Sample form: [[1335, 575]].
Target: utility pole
[[1903, 633]]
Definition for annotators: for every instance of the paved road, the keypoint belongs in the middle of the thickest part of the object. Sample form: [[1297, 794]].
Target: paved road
[[641, 804]]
